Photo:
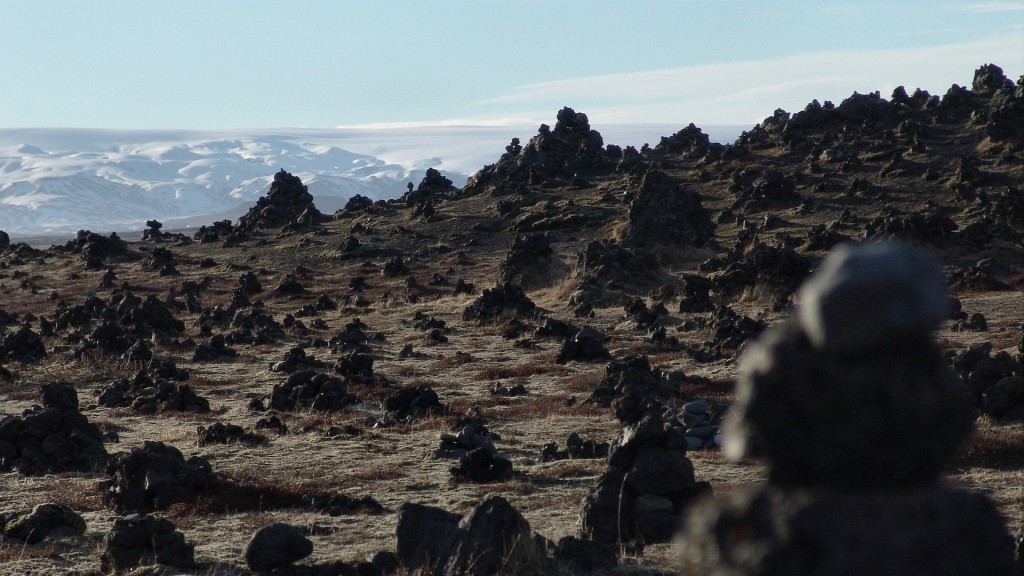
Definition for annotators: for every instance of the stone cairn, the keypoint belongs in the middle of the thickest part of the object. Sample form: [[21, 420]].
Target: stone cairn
[[856, 414]]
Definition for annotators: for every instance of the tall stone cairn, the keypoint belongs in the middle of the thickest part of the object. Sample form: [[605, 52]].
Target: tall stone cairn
[[856, 414]]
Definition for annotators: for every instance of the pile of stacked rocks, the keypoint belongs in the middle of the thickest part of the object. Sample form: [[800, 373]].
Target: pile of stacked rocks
[[698, 424], [53, 438], [647, 485], [153, 477], [144, 540], [255, 327], [691, 142], [493, 538], [696, 296], [216, 350], [502, 302], [412, 403], [615, 266], [776, 267], [23, 345], [221, 433], [586, 345], [214, 232], [147, 395], [434, 186], [856, 414], [995, 380], [296, 359], [564, 152], [311, 389], [33, 526], [631, 385], [471, 437], [664, 212], [527, 257], [575, 448], [94, 248], [287, 202]]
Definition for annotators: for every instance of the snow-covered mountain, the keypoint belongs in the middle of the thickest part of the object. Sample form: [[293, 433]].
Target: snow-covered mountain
[[55, 181]]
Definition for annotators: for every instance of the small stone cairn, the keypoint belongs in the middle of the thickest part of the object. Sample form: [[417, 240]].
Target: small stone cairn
[[856, 414]]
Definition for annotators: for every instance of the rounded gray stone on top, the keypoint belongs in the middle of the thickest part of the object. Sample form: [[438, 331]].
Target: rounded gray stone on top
[[866, 297]]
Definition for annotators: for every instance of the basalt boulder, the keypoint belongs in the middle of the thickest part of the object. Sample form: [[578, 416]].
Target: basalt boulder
[[153, 477], [144, 540], [53, 438], [53, 519], [500, 303]]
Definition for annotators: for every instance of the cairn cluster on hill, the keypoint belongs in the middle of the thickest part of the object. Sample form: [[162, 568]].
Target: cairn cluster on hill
[[856, 414]]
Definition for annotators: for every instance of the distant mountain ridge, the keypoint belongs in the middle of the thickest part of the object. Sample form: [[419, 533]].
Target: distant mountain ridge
[[60, 180], [117, 185]]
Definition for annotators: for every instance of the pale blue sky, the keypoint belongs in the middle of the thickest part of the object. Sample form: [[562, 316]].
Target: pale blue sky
[[211, 64]]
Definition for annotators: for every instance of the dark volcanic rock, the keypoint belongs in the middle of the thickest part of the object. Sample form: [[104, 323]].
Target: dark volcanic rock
[[221, 433], [690, 142], [649, 482], [53, 438], [482, 465], [493, 538], [413, 403], [575, 448], [34, 526], [275, 546], [526, 259], [433, 186], [148, 396], [311, 389], [586, 345], [24, 346], [777, 267], [663, 212], [612, 265], [95, 249], [144, 540], [878, 437], [153, 477], [498, 304]]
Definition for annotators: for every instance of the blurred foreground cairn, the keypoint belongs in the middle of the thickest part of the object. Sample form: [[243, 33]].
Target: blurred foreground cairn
[[855, 412]]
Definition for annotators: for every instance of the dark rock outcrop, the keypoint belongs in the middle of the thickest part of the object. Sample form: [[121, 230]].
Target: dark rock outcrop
[[144, 540], [493, 538], [153, 477], [45, 520], [498, 304], [663, 212], [53, 438]]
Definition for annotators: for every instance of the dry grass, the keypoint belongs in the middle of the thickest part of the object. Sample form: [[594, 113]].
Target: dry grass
[[519, 371], [993, 446], [547, 407]]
